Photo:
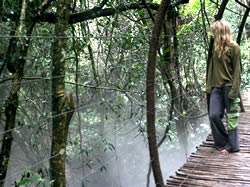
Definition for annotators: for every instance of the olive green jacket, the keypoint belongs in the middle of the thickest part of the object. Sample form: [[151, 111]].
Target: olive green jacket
[[225, 71]]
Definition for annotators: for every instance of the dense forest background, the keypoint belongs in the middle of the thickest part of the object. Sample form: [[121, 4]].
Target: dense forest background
[[73, 87]]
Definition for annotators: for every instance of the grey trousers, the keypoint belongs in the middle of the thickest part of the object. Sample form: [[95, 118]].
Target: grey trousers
[[219, 102]]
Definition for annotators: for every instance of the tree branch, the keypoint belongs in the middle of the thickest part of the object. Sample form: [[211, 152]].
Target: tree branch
[[150, 93], [101, 88], [102, 4], [243, 22], [216, 3], [179, 2], [242, 4], [45, 4], [93, 13], [148, 9], [217, 17], [96, 13]]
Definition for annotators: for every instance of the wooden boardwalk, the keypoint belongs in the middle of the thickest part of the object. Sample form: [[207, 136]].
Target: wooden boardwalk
[[209, 167]]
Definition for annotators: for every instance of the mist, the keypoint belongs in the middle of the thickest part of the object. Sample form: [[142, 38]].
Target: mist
[[117, 157], [128, 164]]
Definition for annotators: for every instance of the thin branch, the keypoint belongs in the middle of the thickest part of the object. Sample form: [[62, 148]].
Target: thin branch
[[226, 8], [242, 4], [205, 12], [204, 25], [149, 10], [217, 17], [26, 78], [2, 68], [243, 22], [5, 80], [101, 5], [96, 87], [45, 4], [133, 20], [134, 99]]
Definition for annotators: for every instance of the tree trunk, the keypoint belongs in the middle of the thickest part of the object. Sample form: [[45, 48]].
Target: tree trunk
[[243, 22], [79, 119], [217, 17], [150, 93], [15, 59], [170, 71], [62, 104]]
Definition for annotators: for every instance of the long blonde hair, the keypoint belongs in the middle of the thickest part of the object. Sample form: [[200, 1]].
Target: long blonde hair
[[221, 32]]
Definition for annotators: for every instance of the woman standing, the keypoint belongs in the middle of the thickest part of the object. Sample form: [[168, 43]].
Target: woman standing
[[223, 85]]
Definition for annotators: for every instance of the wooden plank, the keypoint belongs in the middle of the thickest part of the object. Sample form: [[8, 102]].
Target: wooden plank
[[208, 167]]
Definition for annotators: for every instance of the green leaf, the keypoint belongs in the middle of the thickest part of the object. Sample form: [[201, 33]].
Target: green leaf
[[24, 181], [11, 1], [29, 180], [157, 1]]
